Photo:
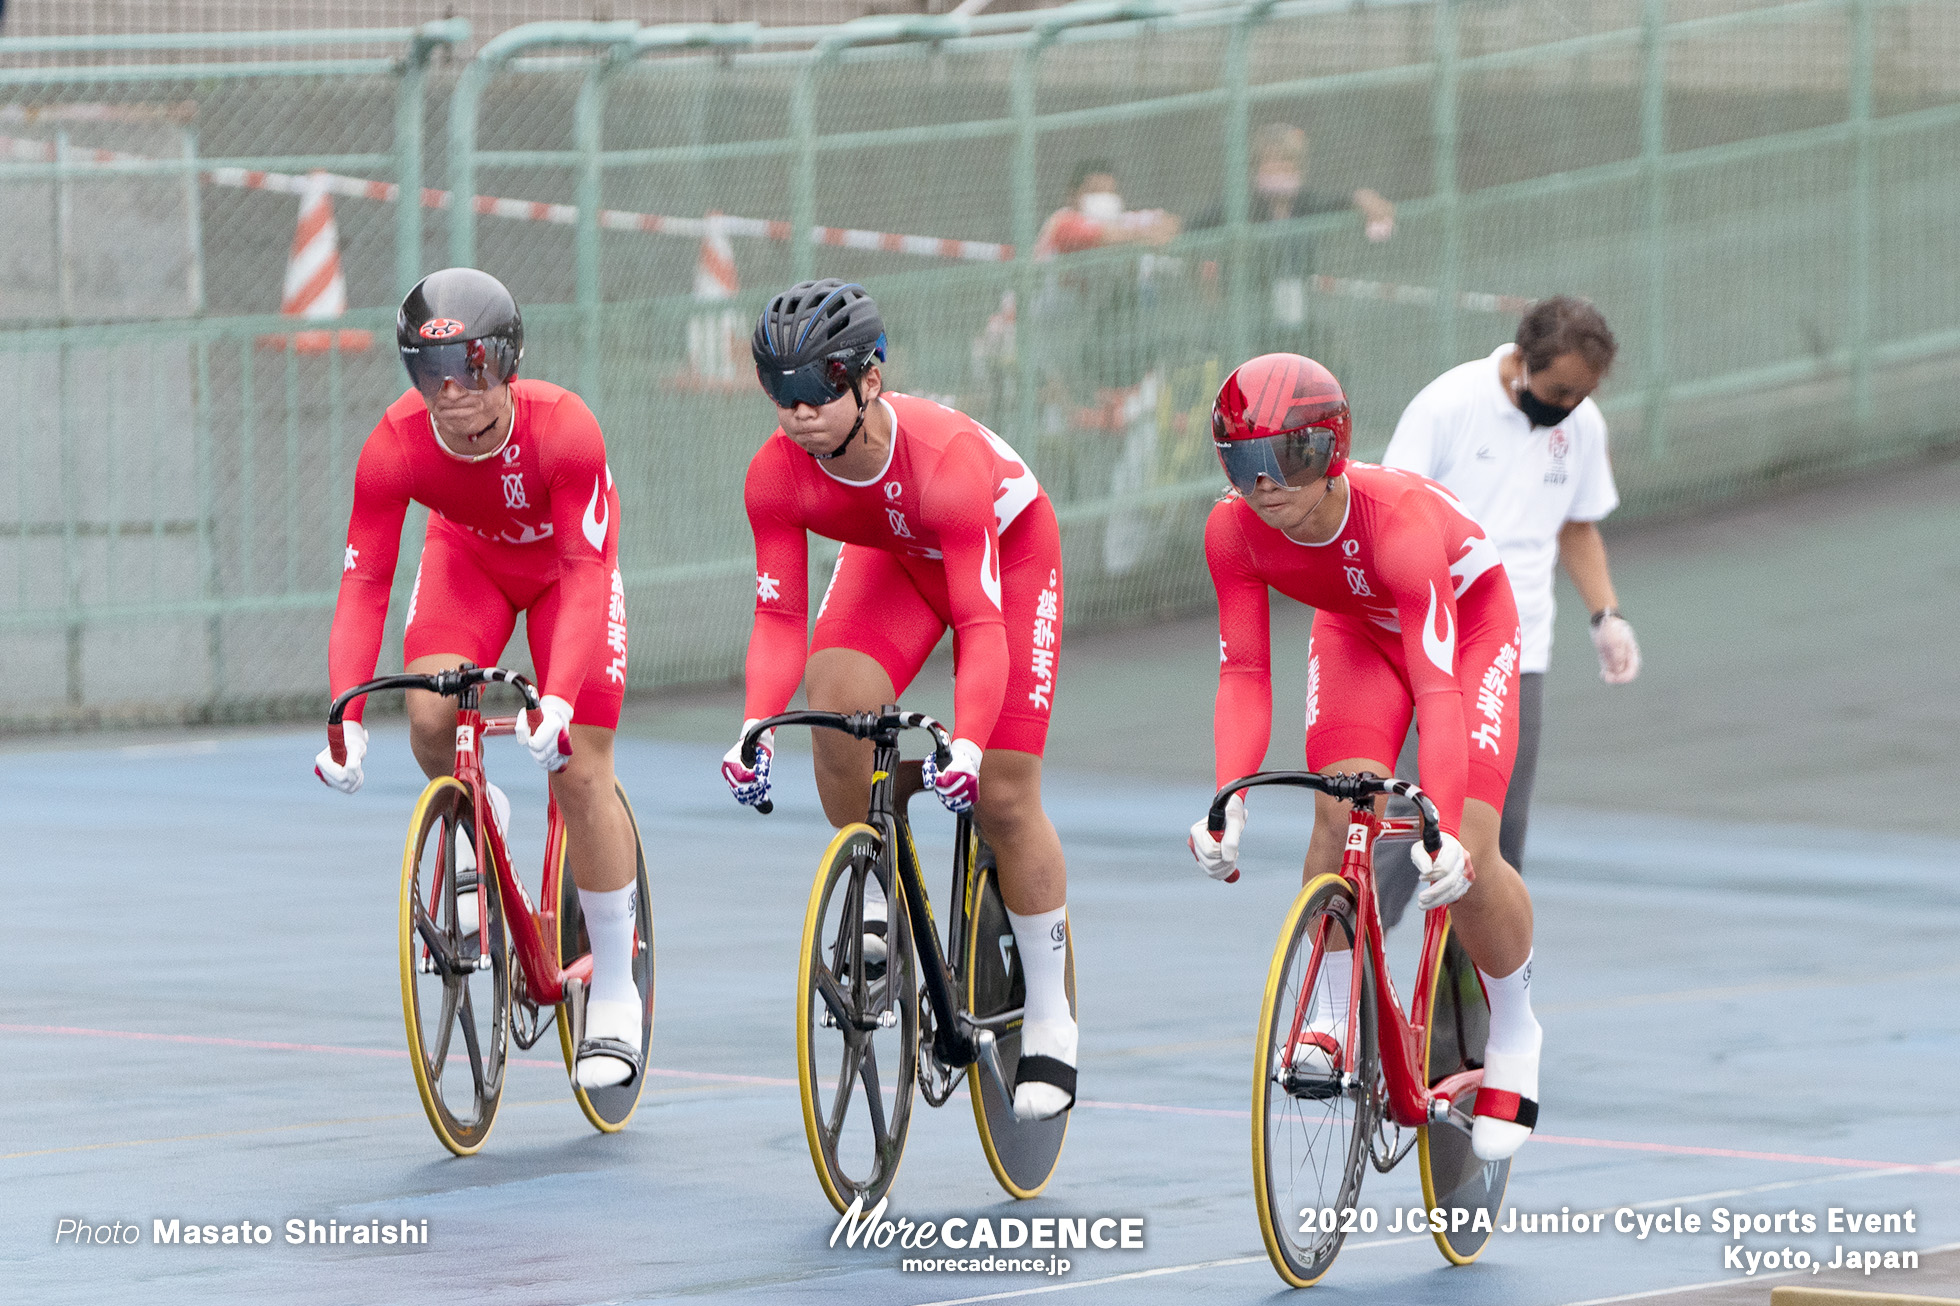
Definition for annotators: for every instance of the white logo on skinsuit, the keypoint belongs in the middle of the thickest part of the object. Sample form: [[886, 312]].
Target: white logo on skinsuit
[[1479, 556], [989, 570], [595, 517], [1440, 650]]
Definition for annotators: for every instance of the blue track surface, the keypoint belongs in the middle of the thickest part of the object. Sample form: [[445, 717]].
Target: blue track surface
[[177, 910]]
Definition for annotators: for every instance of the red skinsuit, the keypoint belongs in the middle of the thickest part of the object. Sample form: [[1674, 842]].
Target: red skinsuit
[[1412, 607], [535, 528], [955, 531]]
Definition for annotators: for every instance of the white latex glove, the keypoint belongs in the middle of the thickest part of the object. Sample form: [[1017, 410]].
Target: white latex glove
[[749, 784], [1220, 856], [1448, 875], [959, 784], [346, 776], [551, 742], [1619, 654]]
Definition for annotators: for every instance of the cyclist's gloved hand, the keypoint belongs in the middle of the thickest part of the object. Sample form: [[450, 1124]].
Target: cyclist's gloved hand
[[959, 784], [750, 784], [551, 741], [1448, 875], [344, 776], [1220, 856], [1619, 653]]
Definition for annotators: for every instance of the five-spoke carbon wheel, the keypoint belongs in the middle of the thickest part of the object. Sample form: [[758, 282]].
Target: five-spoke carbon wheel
[[455, 967], [857, 1034]]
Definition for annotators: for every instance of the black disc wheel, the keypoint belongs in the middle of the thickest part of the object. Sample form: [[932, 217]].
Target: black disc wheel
[[1022, 1153], [857, 1032], [1453, 1177], [608, 1108], [455, 966], [1310, 1121]]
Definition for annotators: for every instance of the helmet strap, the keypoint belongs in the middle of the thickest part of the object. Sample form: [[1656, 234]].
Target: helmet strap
[[856, 426]]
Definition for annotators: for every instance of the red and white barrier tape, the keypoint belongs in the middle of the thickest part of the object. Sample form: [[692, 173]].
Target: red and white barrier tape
[[532, 211], [979, 251]]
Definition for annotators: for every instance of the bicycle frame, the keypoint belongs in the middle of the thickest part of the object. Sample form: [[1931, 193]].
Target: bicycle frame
[[531, 930], [1410, 1101], [952, 1044], [1401, 1033]]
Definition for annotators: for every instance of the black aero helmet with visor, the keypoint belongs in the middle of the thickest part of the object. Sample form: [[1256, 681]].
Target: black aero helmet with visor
[[1284, 417], [814, 341], [459, 325]]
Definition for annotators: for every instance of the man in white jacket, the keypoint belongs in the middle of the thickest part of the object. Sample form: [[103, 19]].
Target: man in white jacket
[[1516, 437]]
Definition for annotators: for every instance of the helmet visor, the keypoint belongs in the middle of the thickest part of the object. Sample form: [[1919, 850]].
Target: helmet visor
[[1291, 460], [472, 364], [816, 384]]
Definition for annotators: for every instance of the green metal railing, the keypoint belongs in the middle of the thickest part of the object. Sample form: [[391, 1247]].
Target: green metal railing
[[1757, 197]]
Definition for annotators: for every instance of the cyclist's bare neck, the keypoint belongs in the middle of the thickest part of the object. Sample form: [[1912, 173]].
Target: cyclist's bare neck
[[472, 423], [1310, 515], [820, 430]]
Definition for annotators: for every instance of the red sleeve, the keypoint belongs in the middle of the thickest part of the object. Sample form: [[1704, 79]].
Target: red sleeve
[[1414, 561], [1242, 722], [779, 644], [1067, 231], [367, 569], [585, 525], [958, 504]]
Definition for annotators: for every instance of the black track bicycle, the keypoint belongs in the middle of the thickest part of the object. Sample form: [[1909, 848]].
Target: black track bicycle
[[869, 1028]]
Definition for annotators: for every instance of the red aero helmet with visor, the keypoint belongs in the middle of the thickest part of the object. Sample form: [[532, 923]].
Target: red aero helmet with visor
[[1281, 416], [459, 325]]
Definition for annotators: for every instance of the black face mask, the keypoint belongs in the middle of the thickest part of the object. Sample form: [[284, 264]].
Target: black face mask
[[1536, 410]]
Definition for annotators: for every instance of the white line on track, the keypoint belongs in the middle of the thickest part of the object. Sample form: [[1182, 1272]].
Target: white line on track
[[1717, 1283]]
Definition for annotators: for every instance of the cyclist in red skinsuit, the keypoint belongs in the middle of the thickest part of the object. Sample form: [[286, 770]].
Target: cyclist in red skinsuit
[[523, 518], [942, 525], [1413, 614]]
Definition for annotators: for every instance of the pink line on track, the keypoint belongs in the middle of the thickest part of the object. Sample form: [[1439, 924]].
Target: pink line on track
[[1611, 1144], [265, 1045]]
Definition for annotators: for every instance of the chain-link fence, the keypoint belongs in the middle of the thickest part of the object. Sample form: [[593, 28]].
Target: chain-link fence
[[1757, 194]]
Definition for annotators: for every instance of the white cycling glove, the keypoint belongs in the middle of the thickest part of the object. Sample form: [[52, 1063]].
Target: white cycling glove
[[750, 784], [344, 776], [551, 742], [959, 784], [1448, 875], [1220, 856], [1619, 653]]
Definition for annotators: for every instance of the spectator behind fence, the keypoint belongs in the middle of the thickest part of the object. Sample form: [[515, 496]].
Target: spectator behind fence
[[1107, 311], [1280, 154], [1518, 440]]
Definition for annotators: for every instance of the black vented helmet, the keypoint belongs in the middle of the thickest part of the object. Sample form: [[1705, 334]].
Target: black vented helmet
[[814, 320], [453, 308]]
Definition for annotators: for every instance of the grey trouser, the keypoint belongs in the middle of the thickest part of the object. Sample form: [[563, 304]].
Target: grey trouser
[[1395, 878]]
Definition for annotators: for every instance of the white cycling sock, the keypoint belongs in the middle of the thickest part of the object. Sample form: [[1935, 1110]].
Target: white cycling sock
[[609, 923], [1042, 941], [1333, 990], [499, 808], [1514, 1031]]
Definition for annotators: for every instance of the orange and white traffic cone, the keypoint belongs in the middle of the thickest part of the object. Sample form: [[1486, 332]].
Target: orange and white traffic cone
[[316, 288], [714, 337]]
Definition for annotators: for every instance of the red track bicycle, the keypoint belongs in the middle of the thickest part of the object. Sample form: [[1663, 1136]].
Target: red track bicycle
[[461, 932], [1324, 1108]]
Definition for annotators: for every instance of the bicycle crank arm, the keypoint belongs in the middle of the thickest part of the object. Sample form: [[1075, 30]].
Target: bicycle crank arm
[[987, 1053]]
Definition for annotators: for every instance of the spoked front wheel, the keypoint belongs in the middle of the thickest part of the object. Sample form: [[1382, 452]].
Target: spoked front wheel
[[608, 1108], [455, 966], [857, 1032], [1022, 1153], [1311, 1122], [1453, 1177]]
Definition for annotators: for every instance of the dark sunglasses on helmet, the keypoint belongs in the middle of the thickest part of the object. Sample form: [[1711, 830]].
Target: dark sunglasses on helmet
[[1290, 460], [816, 384], [472, 364]]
